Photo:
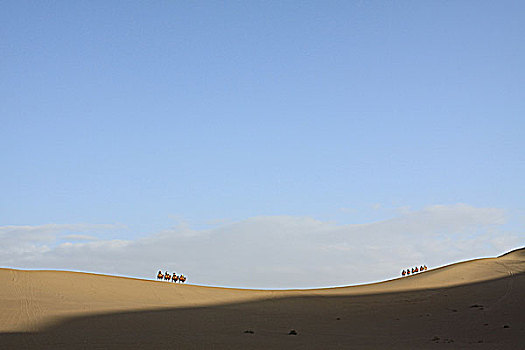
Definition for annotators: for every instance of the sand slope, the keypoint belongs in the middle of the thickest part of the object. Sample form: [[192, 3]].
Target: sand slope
[[475, 304]]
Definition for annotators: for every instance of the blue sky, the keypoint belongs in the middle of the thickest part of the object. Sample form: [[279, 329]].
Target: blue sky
[[149, 116]]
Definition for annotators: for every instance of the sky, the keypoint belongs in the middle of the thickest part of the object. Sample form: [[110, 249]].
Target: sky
[[258, 144]]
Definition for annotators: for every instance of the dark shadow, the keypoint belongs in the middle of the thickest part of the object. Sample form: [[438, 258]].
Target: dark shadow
[[481, 315]]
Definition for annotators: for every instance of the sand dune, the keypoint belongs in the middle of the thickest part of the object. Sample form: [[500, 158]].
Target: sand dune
[[473, 304]]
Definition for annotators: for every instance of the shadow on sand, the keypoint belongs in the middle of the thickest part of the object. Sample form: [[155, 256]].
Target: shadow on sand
[[481, 315]]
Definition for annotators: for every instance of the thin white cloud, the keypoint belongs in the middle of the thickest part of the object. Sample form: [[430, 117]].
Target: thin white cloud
[[281, 251], [26, 245], [78, 237], [51, 230]]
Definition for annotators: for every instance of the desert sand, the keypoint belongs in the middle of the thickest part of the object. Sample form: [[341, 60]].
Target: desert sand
[[474, 304]]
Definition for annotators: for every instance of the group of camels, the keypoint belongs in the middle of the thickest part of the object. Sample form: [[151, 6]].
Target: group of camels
[[414, 270], [174, 278]]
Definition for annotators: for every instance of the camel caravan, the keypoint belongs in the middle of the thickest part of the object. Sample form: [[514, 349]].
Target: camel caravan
[[414, 270], [173, 278]]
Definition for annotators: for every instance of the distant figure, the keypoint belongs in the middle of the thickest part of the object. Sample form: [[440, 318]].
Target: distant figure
[[408, 271], [175, 278], [182, 278], [425, 267], [403, 273], [421, 268], [167, 276], [160, 275], [416, 269]]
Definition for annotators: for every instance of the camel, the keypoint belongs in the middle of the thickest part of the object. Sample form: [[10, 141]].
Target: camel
[[173, 278]]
